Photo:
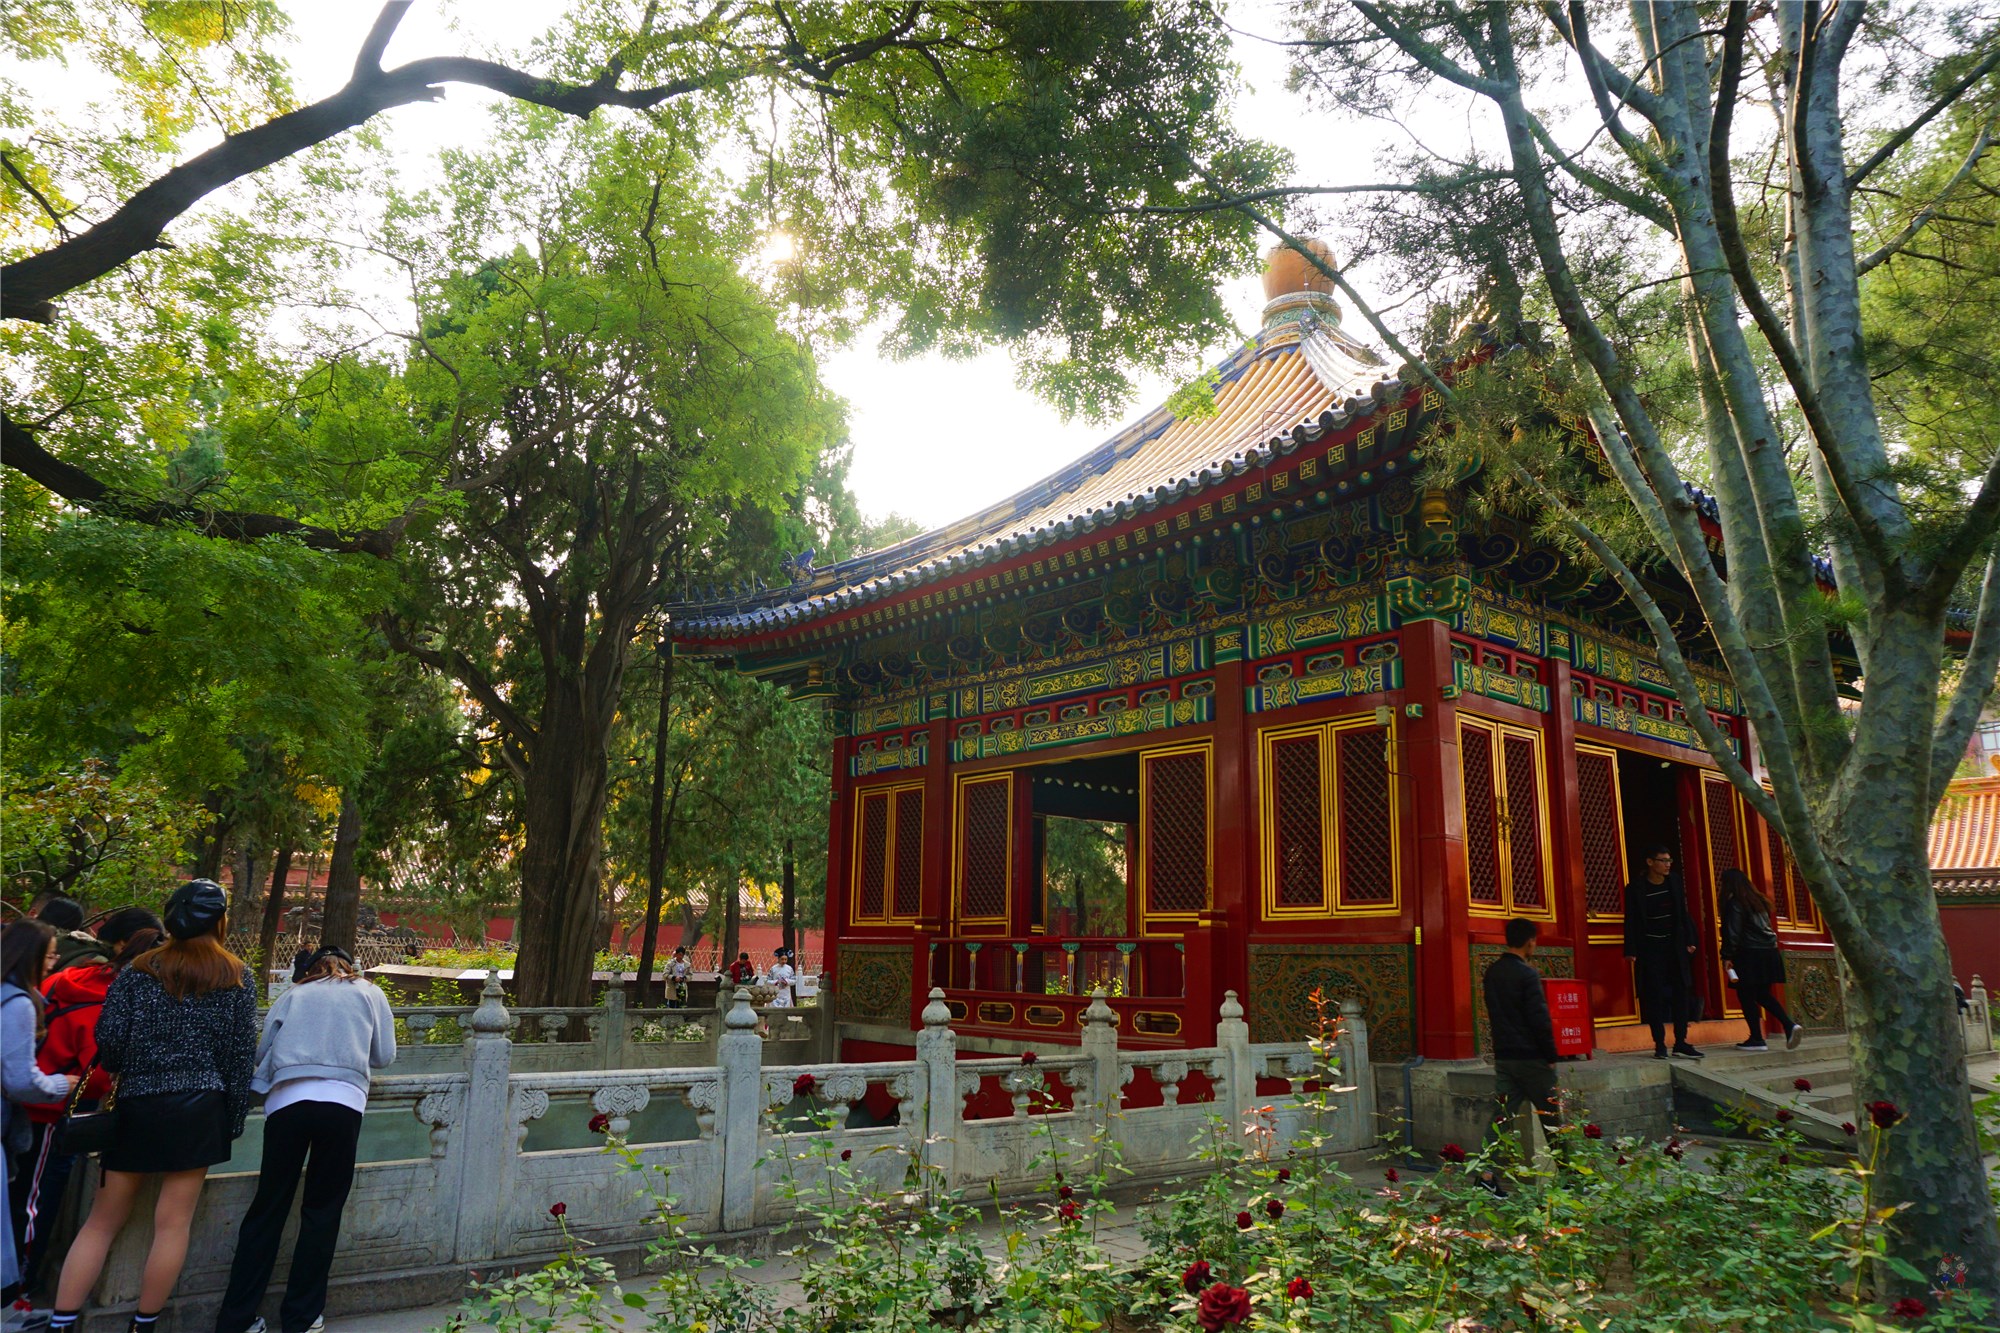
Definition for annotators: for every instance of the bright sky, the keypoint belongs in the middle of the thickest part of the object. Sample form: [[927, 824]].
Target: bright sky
[[934, 439]]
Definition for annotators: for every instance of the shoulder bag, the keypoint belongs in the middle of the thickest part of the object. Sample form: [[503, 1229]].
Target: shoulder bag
[[80, 1131]]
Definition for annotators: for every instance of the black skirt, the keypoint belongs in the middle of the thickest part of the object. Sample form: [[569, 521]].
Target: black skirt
[[1758, 967], [170, 1131]]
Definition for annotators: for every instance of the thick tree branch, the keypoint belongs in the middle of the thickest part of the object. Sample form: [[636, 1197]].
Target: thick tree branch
[[1895, 244], [454, 663], [1975, 684], [19, 450], [1424, 52], [1975, 532], [30, 287], [1929, 113]]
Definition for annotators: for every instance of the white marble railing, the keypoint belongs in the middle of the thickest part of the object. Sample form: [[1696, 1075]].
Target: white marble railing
[[736, 1139]]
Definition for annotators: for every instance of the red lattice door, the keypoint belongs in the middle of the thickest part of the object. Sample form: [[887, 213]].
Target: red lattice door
[[871, 857], [907, 873], [1482, 817], [1367, 820], [1527, 840], [985, 857], [1602, 810], [1174, 814], [1297, 792]]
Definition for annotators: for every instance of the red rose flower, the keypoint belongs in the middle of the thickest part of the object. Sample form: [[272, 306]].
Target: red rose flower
[[558, 1209], [803, 1085], [1802, 1084], [1593, 1131], [1275, 1208], [1393, 1175], [1222, 1305], [1244, 1221], [1622, 1159], [1067, 1210], [1029, 1057], [1784, 1159], [1674, 1149], [1909, 1307], [1284, 1174], [1298, 1289], [1847, 1128], [1783, 1115], [1065, 1191], [847, 1154], [1196, 1276], [599, 1123], [1059, 1177], [1451, 1152], [1883, 1114]]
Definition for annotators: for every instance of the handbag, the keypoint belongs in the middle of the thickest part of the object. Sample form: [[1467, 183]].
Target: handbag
[[83, 1132]]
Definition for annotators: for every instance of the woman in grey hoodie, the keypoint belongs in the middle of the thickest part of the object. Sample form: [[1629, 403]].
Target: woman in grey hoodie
[[320, 1040]]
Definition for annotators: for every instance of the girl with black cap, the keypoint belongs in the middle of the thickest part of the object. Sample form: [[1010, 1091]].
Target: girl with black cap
[[179, 1031]]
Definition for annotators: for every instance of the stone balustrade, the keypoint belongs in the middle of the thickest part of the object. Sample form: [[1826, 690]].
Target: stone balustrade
[[461, 1164]]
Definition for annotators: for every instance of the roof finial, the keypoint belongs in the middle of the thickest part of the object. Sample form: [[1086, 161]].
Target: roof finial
[[1294, 287]]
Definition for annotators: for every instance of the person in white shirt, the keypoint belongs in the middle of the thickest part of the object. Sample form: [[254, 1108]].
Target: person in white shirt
[[678, 972], [781, 977], [321, 1039]]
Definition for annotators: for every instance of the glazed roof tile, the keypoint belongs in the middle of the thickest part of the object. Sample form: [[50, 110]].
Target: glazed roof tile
[[1290, 385], [1966, 834]]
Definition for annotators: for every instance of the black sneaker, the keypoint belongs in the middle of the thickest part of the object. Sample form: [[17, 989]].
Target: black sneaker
[[1659, 1052], [1492, 1185], [1751, 1046], [1685, 1051]]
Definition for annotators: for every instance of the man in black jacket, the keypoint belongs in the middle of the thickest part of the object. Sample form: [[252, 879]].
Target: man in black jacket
[[1524, 1040]]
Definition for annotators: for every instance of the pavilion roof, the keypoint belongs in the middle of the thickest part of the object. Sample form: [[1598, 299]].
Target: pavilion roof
[[1966, 833], [1293, 383]]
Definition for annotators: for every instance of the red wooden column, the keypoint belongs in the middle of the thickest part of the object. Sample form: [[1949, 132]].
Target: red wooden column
[[1233, 803], [1437, 797], [935, 918], [839, 832], [1566, 821]]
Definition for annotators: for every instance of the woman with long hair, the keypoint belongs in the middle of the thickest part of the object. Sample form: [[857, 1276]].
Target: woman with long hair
[[321, 1039], [27, 952], [179, 1029], [73, 997], [1750, 947]]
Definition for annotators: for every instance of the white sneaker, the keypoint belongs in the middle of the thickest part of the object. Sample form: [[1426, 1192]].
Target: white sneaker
[[17, 1319], [1795, 1036]]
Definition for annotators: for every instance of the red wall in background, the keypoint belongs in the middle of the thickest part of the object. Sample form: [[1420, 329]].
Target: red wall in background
[[1973, 935]]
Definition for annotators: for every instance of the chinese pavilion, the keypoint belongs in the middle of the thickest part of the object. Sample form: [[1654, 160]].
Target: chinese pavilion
[[1341, 729]]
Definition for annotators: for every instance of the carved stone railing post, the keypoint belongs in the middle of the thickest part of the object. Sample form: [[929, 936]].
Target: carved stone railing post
[[1100, 1043], [941, 1109], [615, 1031], [1978, 1018], [740, 1054], [1232, 1034], [1357, 1072], [480, 1152]]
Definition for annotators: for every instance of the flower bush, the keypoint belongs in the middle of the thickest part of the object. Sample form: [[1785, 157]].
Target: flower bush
[[1613, 1233]]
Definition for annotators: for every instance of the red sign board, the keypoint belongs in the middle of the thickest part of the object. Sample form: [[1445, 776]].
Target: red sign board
[[1570, 1014]]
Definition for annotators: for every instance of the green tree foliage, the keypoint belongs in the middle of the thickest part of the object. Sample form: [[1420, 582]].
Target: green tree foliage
[[83, 834]]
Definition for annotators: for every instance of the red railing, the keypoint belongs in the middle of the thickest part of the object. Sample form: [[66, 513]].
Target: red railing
[[1041, 984]]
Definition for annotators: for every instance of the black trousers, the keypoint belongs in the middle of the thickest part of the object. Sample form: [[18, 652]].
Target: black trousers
[[1757, 1001], [1530, 1081], [319, 1139]]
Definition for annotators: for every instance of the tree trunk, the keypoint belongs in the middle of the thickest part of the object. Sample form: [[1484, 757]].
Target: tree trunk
[[342, 917], [274, 915], [656, 829], [243, 893], [564, 792], [692, 928], [732, 921], [789, 898], [208, 861]]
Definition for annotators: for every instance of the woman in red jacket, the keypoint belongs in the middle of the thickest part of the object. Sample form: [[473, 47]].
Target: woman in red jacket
[[72, 999]]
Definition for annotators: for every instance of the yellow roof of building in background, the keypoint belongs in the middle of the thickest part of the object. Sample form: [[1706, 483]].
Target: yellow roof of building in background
[[1966, 834]]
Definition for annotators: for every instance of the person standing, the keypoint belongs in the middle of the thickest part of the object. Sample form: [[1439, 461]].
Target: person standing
[[742, 972], [1750, 947], [1524, 1039], [321, 1040], [27, 953], [73, 997], [179, 1029], [781, 978], [1660, 939], [678, 972]]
